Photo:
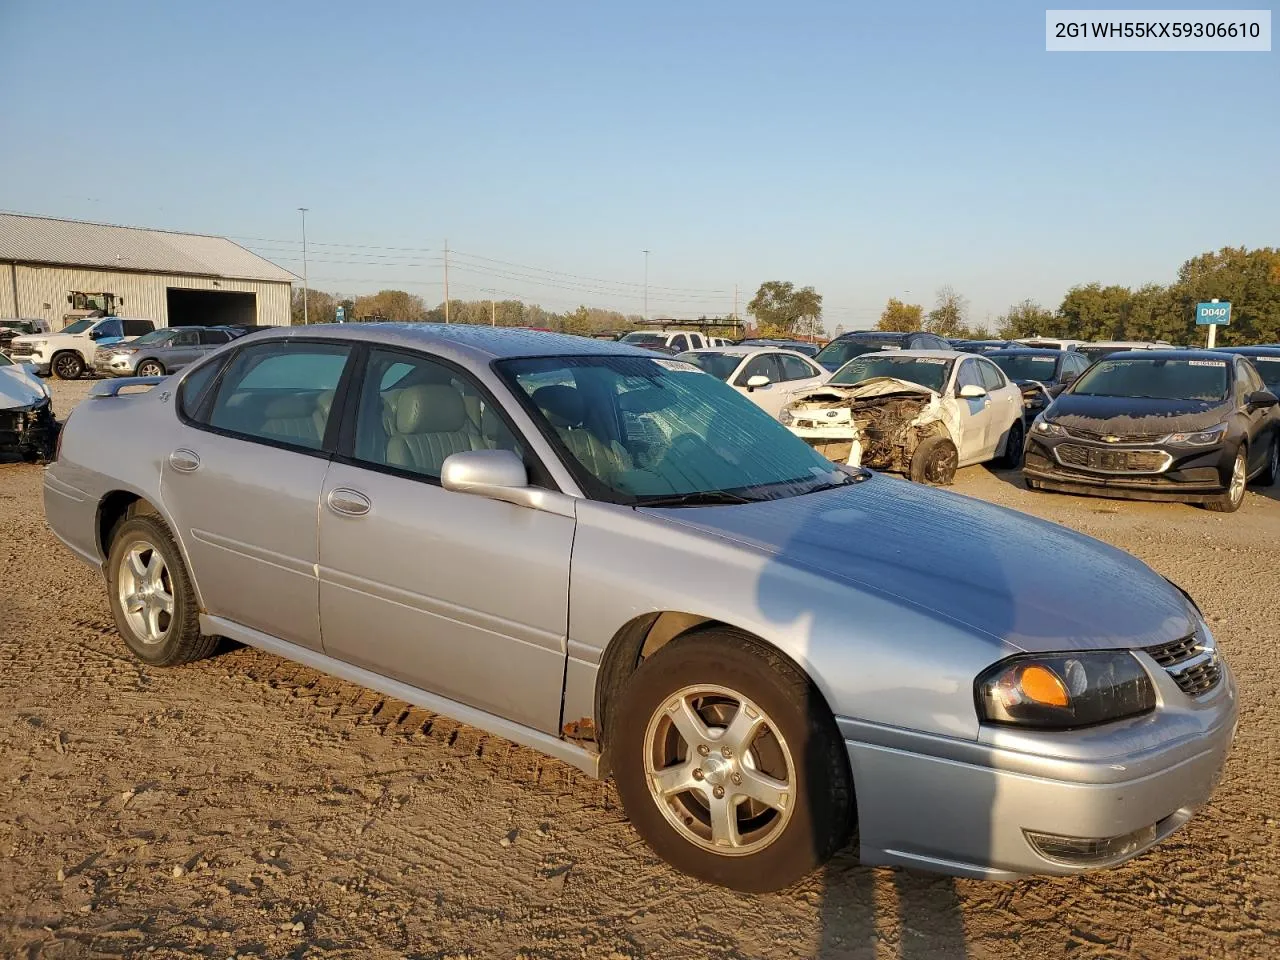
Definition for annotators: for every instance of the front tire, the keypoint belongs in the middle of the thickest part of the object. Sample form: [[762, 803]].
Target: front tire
[[67, 365], [1230, 501], [935, 462], [151, 597], [729, 763], [151, 368]]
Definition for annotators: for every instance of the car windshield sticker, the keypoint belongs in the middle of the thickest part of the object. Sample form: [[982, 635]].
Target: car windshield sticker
[[679, 365], [1207, 363], [1044, 359], [1265, 359], [937, 360]]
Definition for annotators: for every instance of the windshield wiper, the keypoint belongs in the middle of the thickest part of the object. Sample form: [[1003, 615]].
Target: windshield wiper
[[849, 479], [699, 498]]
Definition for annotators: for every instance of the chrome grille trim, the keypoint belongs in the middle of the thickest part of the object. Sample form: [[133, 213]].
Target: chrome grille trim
[[1192, 665]]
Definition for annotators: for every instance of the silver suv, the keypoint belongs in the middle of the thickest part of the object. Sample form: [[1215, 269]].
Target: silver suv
[[161, 352]]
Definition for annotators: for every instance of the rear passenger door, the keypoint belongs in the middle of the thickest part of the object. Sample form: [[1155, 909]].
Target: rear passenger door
[[242, 482], [181, 350], [1005, 407], [455, 594]]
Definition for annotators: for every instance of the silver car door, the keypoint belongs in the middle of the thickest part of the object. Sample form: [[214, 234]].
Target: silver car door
[[456, 594], [243, 484]]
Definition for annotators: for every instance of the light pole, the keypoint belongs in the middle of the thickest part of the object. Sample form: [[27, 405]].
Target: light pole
[[306, 316], [646, 286]]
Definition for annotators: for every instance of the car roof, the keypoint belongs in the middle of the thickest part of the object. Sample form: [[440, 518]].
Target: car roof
[[480, 344], [1027, 352], [1165, 353], [935, 354], [1258, 351], [879, 334], [746, 350], [1123, 343]]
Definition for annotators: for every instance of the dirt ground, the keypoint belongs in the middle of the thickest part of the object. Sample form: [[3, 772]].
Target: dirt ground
[[245, 806]]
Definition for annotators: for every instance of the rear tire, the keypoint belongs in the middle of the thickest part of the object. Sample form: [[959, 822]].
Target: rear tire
[[729, 763], [1230, 501], [151, 597], [67, 365], [1011, 459], [935, 462]]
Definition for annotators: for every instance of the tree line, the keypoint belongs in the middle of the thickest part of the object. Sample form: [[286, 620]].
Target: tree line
[[1248, 279]]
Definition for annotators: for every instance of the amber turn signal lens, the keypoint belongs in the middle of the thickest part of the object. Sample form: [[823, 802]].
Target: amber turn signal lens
[[1041, 685]]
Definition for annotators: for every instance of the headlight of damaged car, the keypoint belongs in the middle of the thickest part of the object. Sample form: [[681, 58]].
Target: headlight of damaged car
[[1047, 428], [1063, 691], [1202, 438], [785, 415]]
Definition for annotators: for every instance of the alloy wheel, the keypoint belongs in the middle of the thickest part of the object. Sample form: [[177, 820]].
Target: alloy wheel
[[146, 592], [719, 770], [1239, 475], [67, 367]]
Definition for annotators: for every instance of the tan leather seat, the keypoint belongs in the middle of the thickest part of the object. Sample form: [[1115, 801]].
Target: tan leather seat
[[431, 424], [296, 418], [565, 410]]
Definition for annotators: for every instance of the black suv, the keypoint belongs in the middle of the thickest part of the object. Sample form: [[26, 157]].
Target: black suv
[[849, 345]]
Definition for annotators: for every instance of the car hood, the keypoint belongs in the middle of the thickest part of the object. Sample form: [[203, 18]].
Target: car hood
[[875, 387], [1135, 416], [18, 388], [1028, 582]]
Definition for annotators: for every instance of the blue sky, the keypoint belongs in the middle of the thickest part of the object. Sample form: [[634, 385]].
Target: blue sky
[[866, 149]]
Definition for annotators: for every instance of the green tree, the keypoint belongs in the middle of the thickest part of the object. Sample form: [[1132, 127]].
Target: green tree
[[1095, 312], [391, 305], [950, 314], [1248, 279], [1026, 319], [781, 309], [901, 317], [321, 307]]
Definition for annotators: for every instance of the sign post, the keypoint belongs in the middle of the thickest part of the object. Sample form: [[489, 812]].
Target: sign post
[[1216, 313], [340, 313]]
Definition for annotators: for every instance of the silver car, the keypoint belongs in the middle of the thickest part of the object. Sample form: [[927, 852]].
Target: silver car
[[160, 352], [620, 561]]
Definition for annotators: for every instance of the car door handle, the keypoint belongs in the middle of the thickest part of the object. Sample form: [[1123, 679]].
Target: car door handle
[[184, 461], [348, 502]]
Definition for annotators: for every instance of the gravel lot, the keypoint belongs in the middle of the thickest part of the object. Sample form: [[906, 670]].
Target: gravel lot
[[246, 806]]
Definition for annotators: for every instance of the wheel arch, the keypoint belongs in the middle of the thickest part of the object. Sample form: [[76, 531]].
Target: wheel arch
[[119, 505]]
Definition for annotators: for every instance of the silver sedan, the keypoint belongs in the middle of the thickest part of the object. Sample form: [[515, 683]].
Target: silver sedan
[[620, 561]]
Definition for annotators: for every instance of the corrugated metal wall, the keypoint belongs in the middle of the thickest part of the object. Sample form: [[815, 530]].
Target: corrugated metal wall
[[42, 292]]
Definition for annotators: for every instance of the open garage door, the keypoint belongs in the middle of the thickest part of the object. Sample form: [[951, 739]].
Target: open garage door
[[211, 308]]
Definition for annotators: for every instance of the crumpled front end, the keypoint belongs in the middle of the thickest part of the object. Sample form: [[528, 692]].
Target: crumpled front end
[[29, 431], [877, 423]]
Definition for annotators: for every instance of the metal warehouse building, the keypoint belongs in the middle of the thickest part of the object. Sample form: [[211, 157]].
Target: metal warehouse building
[[57, 270]]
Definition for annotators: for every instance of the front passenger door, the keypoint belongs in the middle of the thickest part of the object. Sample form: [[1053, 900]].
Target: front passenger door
[[975, 413], [453, 593]]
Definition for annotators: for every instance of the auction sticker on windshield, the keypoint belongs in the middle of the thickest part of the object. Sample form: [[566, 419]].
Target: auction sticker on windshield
[[938, 360], [1206, 363]]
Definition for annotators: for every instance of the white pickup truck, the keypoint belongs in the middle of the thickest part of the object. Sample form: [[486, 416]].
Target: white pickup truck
[[68, 353], [673, 341]]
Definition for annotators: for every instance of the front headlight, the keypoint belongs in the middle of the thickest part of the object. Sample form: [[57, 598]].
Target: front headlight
[[1063, 691], [785, 416], [1202, 438], [1047, 428], [38, 344]]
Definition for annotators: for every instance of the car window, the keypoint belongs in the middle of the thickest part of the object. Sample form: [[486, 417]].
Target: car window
[[1160, 378], [719, 365], [992, 379], [209, 337], [1268, 368], [185, 338], [133, 327], [679, 343], [930, 372], [793, 368], [968, 376], [280, 391], [763, 365], [415, 413], [195, 386], [108, 328]]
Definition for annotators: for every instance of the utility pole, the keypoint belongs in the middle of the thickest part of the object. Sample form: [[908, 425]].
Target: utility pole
[[446, 280], [646, 285], [306, 317], [735, 301], [493, 312]]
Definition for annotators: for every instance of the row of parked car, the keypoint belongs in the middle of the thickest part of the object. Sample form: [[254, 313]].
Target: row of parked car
[[1139, 421]]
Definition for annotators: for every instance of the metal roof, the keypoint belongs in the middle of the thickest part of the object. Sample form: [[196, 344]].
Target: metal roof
[[26, 239]]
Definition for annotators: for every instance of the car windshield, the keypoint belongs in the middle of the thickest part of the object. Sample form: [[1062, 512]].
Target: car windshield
[[5, 361], [639, 431], [719, 365], [1269, 369], [645, 339], [81, 325], [1027, 366], [931, 372], [1157, 378], [15, 325], [839, 352], [155, 336]]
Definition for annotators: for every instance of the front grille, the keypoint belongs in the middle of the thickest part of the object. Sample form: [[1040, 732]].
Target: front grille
[[1198, 679], [1193, 666], [21, 350], [1115, 437], [1111, 461], [1169, 654]]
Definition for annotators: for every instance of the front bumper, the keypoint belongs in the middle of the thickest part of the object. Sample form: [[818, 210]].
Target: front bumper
[[21, 354], [967, 808], [112, 365], [29, 431], [1189, 474]]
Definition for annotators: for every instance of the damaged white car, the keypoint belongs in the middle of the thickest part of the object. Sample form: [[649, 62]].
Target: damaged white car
[[27, 426], [924, 413]]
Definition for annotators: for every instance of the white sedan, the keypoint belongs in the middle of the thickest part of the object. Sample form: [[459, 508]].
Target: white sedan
[[767, 376], [919, 412]]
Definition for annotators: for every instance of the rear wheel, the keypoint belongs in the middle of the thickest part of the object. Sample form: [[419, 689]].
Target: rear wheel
[[68, 365], [151, 597], [729, 763], [1011, 459], [935, 462], [1272, 470], [151, 368], [1229, 502]]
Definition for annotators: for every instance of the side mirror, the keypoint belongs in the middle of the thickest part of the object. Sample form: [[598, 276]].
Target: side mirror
[[500, 475], [1261, 399], [759, 380], [971, 391]]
